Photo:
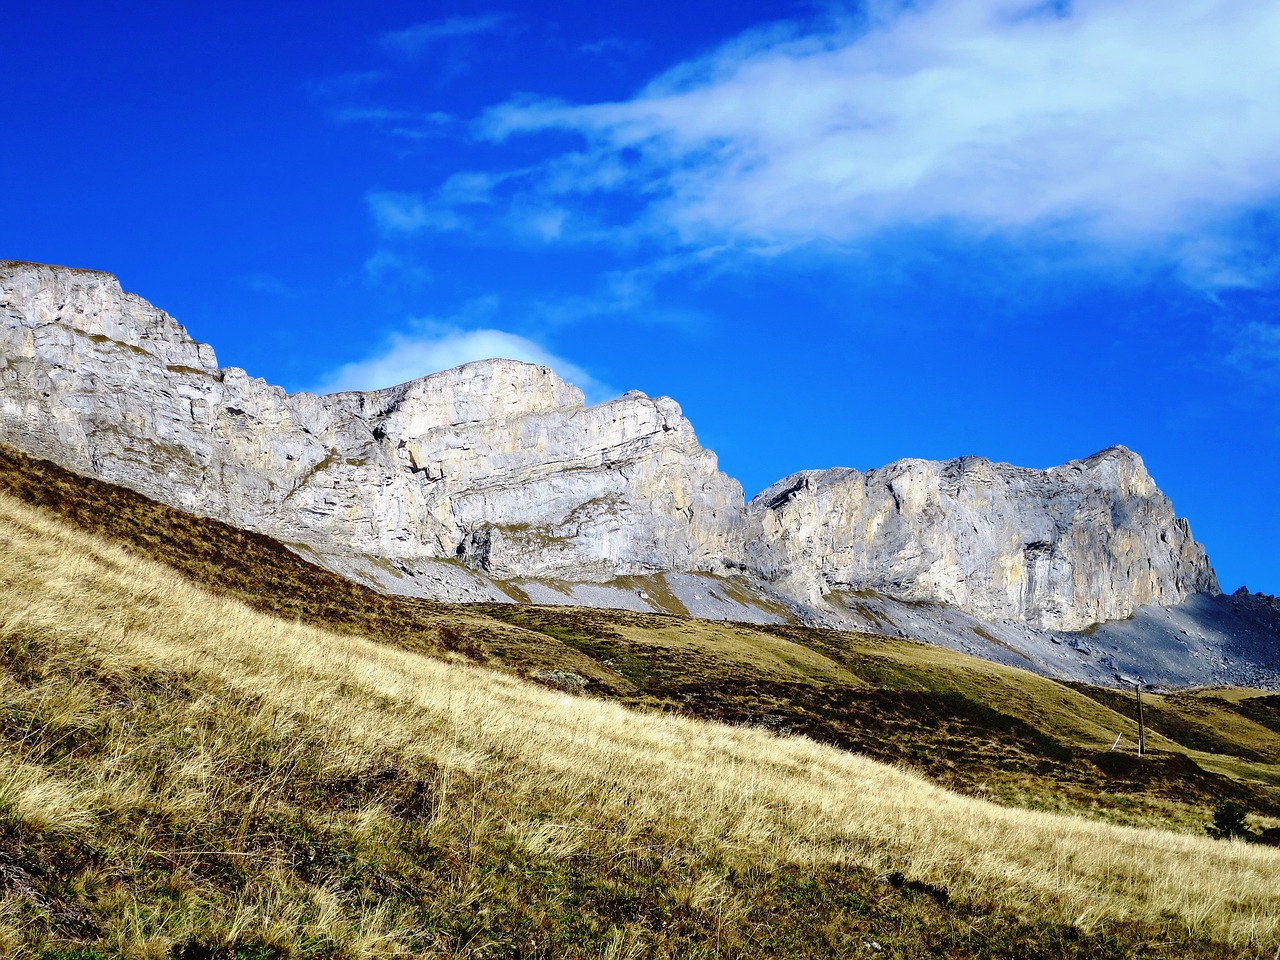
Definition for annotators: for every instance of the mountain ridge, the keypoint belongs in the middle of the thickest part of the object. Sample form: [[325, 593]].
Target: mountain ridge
[[1062, 547], [497, 471]]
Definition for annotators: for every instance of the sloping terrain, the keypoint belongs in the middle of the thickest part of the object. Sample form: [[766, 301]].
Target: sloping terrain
[[984, 728], [184, 775], [1220, 640]]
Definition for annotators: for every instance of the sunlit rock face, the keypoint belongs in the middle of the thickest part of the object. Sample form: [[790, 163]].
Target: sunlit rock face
[[500, 466], [1061, 548], [496, 463], [521, 479], [103, 382]]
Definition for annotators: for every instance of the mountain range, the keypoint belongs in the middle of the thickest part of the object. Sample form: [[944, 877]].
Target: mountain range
[[495, 481]]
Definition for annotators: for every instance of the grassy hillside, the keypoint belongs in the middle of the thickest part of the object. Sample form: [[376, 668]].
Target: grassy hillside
[[187, 774], [250, 758], [977, 727]]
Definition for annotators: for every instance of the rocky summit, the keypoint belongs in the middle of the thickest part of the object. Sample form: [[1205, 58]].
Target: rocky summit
[[495, 480], [497, 463], [1062, 548]]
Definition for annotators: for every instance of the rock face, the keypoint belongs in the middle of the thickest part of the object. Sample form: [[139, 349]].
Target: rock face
[[499, 465], [1062, 548], [496, 463]]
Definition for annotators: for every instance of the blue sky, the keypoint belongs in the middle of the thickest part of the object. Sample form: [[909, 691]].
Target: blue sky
[[836, 233]]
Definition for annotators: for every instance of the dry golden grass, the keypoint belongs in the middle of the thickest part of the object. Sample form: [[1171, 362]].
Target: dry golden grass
[[973, 726], [561, 770]]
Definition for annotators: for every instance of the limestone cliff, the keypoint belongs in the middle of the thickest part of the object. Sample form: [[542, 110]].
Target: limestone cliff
[[1061, 548], [501, 466], [496, 463]]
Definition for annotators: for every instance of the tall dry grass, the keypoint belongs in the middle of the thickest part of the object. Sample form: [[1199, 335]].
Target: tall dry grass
[[558, 772]]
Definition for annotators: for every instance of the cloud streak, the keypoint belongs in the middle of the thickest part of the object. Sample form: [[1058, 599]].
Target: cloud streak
[[1125, 122], [414, 40]]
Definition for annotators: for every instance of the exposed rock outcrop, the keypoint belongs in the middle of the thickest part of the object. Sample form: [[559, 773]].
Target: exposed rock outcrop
[[496, 463], [501, 466], [1062, 548]]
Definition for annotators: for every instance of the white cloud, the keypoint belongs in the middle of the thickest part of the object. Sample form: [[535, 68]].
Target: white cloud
[[1129, 122], [444, 210], [432, 346], [413, 40], [408, 213]]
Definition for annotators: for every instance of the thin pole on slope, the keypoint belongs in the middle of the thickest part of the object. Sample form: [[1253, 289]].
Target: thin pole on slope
[[1142, 738]]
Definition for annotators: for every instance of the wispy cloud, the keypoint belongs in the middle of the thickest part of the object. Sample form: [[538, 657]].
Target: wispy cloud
[[612, 47], [344, 84], [414, 40], [268, 284], [387, 266], [631, 293], [1121, 122], [1256, 351], [368, 114], [467, 199], [426, 126], [409, 124], [406, 213], [430, 345]]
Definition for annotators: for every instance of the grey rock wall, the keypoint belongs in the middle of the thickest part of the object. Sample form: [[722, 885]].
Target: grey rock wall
[[496, 463], [500, 466], [1063, 548]]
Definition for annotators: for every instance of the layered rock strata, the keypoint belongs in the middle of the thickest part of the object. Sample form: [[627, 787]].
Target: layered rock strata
[[501, 466], [1063, 548], [496, 463]]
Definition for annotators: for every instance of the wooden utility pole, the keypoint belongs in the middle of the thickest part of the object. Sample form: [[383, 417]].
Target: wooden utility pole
[[1142, 739]]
